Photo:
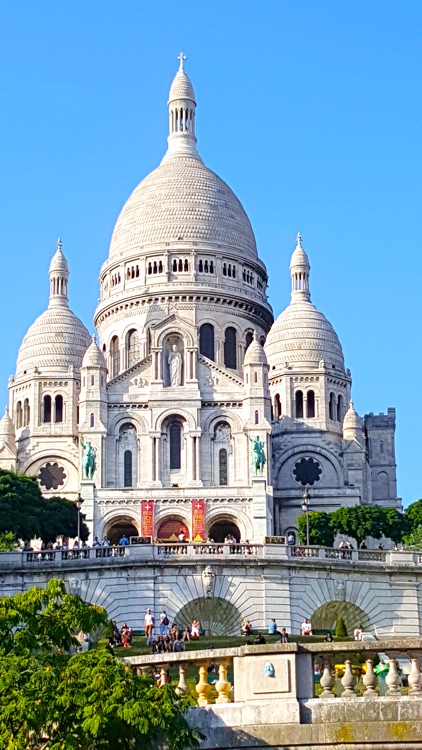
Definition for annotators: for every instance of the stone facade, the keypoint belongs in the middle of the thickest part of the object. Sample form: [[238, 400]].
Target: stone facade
[[189, 371]]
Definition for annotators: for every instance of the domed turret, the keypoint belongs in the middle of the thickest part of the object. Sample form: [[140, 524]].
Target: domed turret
[[57, 339], [93, 356], [255, 354], [352, 424], [7, 430], [302, 336]]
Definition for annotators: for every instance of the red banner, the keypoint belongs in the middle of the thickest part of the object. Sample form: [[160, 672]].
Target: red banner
[[198, 520], [147, 518]]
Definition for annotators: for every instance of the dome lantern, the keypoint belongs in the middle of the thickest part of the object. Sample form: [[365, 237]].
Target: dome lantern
[[182, 106], [59, 277], [299, 270]]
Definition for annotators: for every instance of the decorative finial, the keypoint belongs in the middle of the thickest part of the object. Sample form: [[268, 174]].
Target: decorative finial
[[94, 338], [182, 59], [59, 243], [255, 337], [299, 239], [6, 411]]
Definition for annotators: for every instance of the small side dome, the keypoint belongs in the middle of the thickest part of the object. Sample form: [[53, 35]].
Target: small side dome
[[7, 429], [93, 356], [299, 257], [181, 88], [58, 262], [352, 424], [255, 354]]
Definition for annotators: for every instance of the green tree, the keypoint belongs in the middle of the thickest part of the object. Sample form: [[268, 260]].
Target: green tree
[[413, 515], [394, 524], [359, 522], [51, 700], [8, 542], [341, 630], [320, 529], [26, 514], [414, 539]]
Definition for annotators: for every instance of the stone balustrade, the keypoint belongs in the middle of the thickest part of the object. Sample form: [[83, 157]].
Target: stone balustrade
[[145, 550], [267, 696]]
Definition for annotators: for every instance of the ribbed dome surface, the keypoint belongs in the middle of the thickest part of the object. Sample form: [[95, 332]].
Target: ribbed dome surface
[[181, 88], [56, 339], [302, 335], [93, 357], [183, 200], [255, 354]]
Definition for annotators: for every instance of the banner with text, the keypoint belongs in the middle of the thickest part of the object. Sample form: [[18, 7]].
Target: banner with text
[[198, 520], [147, 518]]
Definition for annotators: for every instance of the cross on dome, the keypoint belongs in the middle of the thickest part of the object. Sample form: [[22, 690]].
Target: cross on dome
[[299, 239], [59, 243], [181, 57]]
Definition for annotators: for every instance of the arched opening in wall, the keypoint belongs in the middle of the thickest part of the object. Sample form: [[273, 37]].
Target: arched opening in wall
[[175, 441], [120, 526], [206, 341], [133, 347], [291, 535], [277, 406], [114, 356], [19, 415], [223, 528], [127, 455], [327, 615], [381, 489], [230, 348], [46, 409], [169, 530], [58, 408], [299, 404], [127, 468], [148, 342], [248, 338], [92, 420], [339, 408], [223, 467], [331, 406], [26, 412], [217, 616], [311, 404]]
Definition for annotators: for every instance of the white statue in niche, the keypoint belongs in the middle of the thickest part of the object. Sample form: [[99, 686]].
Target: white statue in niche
[[175, 366]]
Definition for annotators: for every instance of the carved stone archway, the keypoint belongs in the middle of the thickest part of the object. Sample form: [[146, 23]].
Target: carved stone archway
[[326, 616], [217, 616]]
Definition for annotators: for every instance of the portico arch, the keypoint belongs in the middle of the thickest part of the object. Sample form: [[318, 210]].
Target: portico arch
[[118, 526], [217, 616], [327, 615]]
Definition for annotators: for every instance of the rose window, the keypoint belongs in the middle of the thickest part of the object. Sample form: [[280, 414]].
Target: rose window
[[307, 471], [51, 476]]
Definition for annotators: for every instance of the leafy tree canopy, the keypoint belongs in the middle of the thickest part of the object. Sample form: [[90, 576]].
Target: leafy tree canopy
[[359, 522], [26, 514], [320, 529], [51, 700], [413, 514]]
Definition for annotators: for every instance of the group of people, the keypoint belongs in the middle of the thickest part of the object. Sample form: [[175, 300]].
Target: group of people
[[169, 636], [122, 637]]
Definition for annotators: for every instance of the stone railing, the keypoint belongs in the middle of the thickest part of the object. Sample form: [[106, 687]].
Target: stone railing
[[142, 549], [317, 663]]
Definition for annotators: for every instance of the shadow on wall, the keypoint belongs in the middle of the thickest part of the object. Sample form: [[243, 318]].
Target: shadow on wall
[[217, 616]]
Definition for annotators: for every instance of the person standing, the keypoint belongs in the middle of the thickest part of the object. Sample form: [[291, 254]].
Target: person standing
[[272, 627], [148, 623], [164, 623]]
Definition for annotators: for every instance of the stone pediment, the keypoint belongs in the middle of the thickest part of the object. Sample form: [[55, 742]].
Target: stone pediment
[[215, 379], [173, 317], [135, 379]]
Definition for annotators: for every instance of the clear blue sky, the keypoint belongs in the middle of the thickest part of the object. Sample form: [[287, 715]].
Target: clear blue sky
[[311, 111]]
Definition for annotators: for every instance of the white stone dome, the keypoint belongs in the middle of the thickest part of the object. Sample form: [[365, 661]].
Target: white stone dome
[[302, 336], [255, 354], [93, 356], [7, 428], [56, 340], [181, 88], [183, 200], [352, 423]]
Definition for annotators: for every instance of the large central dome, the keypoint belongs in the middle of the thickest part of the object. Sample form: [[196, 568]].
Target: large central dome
[[182, 200]]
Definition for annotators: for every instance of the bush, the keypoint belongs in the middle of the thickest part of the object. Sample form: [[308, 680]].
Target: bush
[[341, 630]]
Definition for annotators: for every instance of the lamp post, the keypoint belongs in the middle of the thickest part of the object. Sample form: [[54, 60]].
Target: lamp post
[[79, 502], [305, 508]]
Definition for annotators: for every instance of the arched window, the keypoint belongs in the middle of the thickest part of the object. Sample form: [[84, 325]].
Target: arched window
[[92, 379], [175, 435], [299, 404], [249, 338], [381, 445], [58, 403], [133, 345], [114, 356], [256, 417], [331, 406], [127, 469], [18, 415], [206, 340], [46, 409], [222, 467], [382, 490], [277, 406], [230, 347], [311, 404], [339, 408], [26, 412]]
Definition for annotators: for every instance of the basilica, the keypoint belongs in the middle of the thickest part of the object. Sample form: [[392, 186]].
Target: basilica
[[188, 372]]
